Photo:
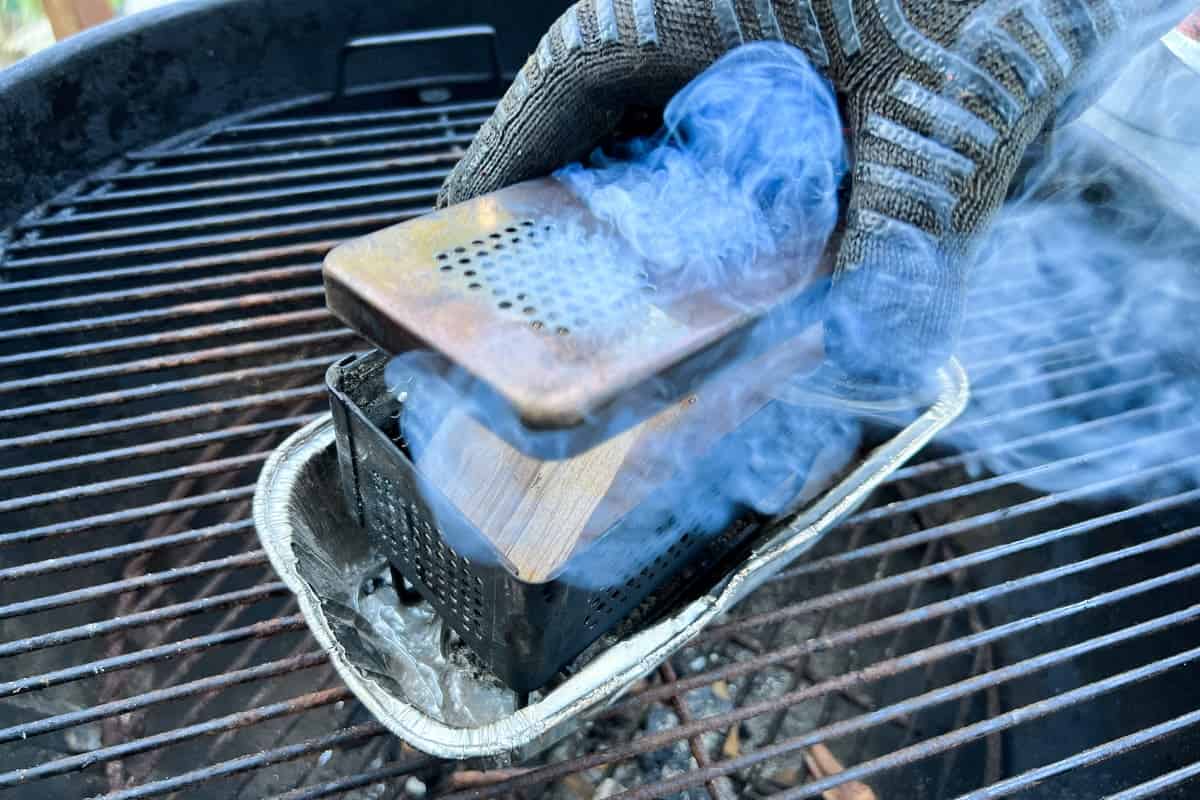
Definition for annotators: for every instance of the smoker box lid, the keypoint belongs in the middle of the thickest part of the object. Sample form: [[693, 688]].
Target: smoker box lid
[[501, 286]]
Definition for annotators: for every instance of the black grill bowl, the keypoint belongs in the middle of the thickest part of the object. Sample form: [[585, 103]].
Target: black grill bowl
[[169, 184]]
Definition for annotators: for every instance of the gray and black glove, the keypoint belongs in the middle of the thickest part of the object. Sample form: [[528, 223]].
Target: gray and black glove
[[942, 97]]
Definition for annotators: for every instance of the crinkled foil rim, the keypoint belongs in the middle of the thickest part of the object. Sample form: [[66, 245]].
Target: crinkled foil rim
[[525, 731]]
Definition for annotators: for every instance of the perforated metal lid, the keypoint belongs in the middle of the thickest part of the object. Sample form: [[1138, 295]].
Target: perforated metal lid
[[529, 292]]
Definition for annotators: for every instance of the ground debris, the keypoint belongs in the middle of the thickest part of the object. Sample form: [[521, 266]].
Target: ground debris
[[822, 763], [475, 778]]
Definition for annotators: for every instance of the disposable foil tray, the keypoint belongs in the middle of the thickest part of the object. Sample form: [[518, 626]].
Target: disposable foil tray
[[418, 682]]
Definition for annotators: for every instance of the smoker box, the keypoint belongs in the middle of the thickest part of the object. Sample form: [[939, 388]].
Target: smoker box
[[526, 631], [582, 337]]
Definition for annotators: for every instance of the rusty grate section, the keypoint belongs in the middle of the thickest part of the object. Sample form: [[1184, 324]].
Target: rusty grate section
[[162, 327]]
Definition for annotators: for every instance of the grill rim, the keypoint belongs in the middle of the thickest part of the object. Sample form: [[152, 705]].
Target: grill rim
[[228, 62], [346, 732]]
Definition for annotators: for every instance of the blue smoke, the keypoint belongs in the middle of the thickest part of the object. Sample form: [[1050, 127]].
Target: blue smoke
[[744, 171], [742, 177]]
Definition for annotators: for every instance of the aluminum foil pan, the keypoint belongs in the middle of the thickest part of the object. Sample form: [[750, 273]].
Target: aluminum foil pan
[[405, 666]]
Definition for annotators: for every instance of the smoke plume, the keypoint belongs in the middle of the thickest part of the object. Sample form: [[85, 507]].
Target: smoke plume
[[742, 177]]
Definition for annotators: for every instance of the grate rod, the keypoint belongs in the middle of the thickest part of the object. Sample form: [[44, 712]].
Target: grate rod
[[1051, 302], [348, 167], [172, 361], [979, 368], [170, 313], [235, 238], [221, 220], [925, 468], [156, 290], [1003, 722], [75, 526], [867, 630], [957, 527], [322, 120], [158, 447], [351, 782], [157, 270], [955, 738], [1016, 476], [1155, 787], [217, 466], [181, 386], [50, 566], [141, 619], [317, 140], [165, 652], [444, 144], [393, 178], [156, 696], [1066, 372], [201, 410], [1122, 387], [904, 708], [240, 719], [1019, 285], [251, 558], [339, 738], [1093, 755], [1052, 327], [213, 330]]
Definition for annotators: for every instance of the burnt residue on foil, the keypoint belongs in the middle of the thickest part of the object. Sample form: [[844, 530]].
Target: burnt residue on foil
[[403, 646], [308, 534]]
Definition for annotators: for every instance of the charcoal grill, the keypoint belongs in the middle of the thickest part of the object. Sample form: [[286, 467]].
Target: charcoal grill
[[169, 186]]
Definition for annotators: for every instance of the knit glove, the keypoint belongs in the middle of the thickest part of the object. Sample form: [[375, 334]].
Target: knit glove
[[942, 97]]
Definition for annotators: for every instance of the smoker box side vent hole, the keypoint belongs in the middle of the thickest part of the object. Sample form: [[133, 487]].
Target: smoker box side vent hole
[[532, 272]]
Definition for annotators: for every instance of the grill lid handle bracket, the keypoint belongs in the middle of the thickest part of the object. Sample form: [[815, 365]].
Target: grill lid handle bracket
[[406, 38]]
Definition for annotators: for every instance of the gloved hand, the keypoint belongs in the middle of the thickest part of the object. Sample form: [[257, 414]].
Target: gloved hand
[[942, 96]]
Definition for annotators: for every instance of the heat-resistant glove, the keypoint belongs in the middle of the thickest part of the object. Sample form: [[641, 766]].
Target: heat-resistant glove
[[942, 98]]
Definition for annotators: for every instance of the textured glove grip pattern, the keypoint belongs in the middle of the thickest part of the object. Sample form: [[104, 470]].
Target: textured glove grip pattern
[[943, 97]]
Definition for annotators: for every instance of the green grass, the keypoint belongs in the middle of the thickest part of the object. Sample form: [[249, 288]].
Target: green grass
[[21, 8], [24, 9]]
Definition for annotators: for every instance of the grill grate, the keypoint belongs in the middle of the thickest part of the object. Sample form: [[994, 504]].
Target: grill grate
[[163, 328]]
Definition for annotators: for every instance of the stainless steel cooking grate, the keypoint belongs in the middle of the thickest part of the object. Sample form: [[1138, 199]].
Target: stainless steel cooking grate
[[164, 327]]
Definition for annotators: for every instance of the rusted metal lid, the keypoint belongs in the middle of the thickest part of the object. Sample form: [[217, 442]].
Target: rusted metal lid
[[528, 291]]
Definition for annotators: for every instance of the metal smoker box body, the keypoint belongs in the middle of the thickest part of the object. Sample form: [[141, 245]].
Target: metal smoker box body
[[524, 632], [499, 288]]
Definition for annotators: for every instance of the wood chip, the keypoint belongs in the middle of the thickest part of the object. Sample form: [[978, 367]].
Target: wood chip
[[721, 690], [474, 778], [786, 776], [733, 744], [822, 763], [579, 787]]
